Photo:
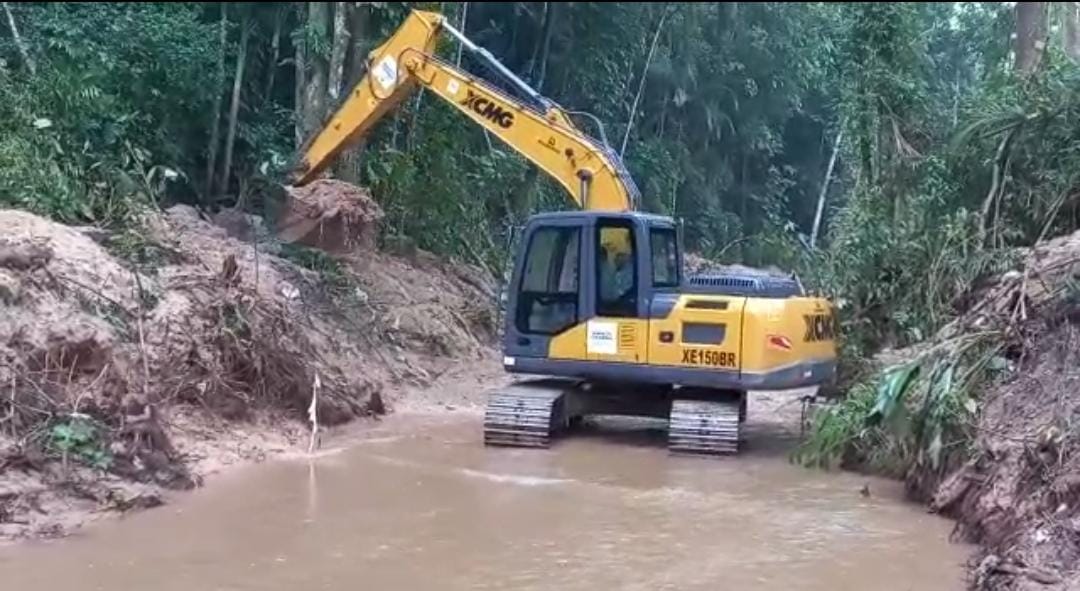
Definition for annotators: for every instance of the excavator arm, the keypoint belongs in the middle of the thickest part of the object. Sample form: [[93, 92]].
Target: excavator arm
[[538, 129]]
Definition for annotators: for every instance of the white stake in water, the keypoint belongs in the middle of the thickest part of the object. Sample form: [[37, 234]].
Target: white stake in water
[[312, 415]]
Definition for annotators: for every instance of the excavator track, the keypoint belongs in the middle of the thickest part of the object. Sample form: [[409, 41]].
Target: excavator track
[[524, 415], [700, 427]]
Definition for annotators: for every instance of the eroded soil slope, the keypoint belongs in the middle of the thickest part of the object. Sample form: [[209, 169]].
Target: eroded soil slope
[[135, 364], [1018, 495]]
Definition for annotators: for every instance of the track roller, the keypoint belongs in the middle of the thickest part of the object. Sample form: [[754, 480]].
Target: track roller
[[704, 427], [526, 414]]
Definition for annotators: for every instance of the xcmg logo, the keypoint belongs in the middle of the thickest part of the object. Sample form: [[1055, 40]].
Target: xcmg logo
[[489, 110], [820, 327]]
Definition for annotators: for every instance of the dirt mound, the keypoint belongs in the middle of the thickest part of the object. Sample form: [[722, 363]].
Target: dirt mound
[[330, 215], [428, 305], [1045, 274], [98, 359], [66, 254]]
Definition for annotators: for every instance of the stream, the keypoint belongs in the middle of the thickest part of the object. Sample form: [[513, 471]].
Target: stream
[[416, 502]]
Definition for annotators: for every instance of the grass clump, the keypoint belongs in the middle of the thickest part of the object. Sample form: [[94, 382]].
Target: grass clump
[[333, 277], [133, 245], [80, 438]]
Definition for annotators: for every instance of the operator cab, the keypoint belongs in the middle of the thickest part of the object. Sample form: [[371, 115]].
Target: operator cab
[[577, 267]]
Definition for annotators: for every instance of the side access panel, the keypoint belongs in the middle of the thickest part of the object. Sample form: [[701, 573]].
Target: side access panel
[[699, 332]]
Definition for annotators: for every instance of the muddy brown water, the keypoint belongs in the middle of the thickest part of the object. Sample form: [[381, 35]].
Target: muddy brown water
[[417, 503]]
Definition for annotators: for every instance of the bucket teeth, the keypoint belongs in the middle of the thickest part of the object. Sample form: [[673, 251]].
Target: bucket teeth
[[521, 417], [708, 428]]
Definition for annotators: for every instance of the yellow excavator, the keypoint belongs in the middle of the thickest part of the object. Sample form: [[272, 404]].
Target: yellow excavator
[[601, 317]]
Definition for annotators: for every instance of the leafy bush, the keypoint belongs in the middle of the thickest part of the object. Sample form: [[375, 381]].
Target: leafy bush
[[919, 412], [104, 127], [81, 438]]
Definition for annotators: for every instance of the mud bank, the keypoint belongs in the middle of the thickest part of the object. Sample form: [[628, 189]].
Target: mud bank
[[1011, 478], [137, 364], [1019, 493]]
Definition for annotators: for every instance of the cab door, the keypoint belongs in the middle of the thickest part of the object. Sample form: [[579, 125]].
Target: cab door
[[616, 329], [545, 300]]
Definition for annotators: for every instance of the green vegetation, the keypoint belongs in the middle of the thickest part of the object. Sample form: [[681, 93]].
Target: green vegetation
[[919, 413], [81, 439], [331, 273], [964, 144], [954, 127], [103, 125]]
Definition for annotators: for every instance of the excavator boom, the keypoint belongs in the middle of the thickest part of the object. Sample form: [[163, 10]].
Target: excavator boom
[[541, 131]]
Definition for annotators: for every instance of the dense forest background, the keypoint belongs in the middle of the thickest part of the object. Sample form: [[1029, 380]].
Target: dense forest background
[[890, 154]]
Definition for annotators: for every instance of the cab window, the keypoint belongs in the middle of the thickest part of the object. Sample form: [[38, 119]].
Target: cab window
[[617, 278], [665, 257], [548, 298]]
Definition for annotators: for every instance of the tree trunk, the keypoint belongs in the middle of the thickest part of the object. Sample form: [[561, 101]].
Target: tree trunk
[[997, 179], [347, 167], [24, 50], [522, 197], [509, 56], [956, 100], [825, 187], [1030, 37], [339, 46], [535, 58], [549, 26], [411, 136], [234, 107], [300, 62], [315, 89], [215, 114], [641, 82], [461, 27], [359, 44], [275, 53], [1072, 30], [743, 191]]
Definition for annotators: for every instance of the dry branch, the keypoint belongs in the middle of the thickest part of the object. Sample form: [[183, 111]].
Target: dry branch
[[24, 50]]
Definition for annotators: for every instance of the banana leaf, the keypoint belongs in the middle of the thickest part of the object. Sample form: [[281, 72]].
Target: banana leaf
[[890, 393]]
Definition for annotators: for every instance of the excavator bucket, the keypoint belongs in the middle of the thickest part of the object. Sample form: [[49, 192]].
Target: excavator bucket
[[331, 215]]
